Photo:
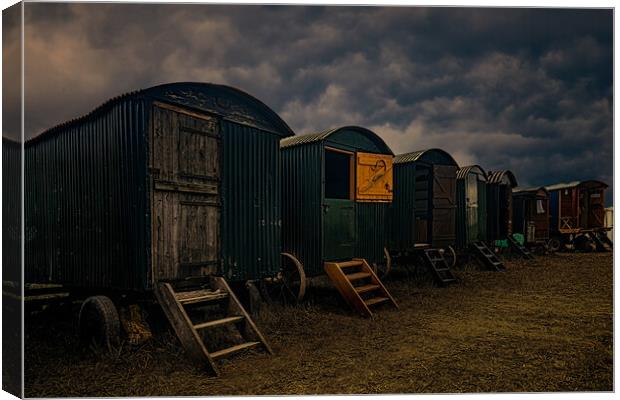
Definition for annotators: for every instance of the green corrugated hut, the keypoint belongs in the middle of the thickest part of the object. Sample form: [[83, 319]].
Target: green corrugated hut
[[499, 206], [174, 181], [336, 189]]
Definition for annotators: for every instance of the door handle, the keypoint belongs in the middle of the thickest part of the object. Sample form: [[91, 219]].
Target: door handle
[[325, 208]]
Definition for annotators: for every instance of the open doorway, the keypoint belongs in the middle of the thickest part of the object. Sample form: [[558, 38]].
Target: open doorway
[[338, 205]]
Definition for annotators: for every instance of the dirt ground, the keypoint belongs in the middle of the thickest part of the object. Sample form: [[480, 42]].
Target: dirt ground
[[545, 325]]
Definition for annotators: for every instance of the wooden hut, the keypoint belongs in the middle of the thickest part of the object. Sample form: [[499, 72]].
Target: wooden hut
[[578, 213], [531, 215]]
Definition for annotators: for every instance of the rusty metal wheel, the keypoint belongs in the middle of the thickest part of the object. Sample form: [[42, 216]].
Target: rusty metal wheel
[[289, 286], [383, 269]]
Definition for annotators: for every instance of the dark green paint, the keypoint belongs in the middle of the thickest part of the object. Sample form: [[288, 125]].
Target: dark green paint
[[88, 190], [339, 229]]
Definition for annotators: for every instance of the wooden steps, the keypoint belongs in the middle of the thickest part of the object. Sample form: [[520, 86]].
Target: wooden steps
[[487, 257], [218, 294], [358, 285], [434, 261], [520, 249], [601, 241]]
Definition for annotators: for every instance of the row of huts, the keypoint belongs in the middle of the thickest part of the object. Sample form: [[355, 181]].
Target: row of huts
[[185, 188]]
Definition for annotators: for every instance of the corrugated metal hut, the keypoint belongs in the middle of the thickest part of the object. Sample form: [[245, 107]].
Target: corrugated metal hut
[[165, 183], [577, 206], [336, 189], [424, 207], [499, 204], [471, 197], [531, 214]]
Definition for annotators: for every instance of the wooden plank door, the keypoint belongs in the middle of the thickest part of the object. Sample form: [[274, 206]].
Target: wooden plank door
[[185, 206], [596, 209], [444, 205]]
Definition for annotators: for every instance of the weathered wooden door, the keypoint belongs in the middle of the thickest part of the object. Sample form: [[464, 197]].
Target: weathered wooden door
[[471, 201], [185, 212], [596, 209], [444, 205], [339, 222]]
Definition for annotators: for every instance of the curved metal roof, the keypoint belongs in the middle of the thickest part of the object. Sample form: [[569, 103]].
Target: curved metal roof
[[226, 101], [529, 191], [569, 185], [424, 155], [474, 169], [299, 140], [497, 177]]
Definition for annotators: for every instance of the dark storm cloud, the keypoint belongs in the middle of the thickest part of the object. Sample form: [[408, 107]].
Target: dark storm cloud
[[525, 89]]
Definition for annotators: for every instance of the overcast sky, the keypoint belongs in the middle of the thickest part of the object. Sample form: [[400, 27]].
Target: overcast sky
[[523, 89]]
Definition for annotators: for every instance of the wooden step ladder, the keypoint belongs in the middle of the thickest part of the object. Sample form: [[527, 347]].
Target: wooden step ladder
[[215, 292], [488, 258], [520, 249], [602, 241], [359, 285], [436, 263]]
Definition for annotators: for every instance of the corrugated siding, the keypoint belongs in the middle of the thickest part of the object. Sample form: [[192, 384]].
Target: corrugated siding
[[402, 216], [482, 211], [372, 230], [461, 214], [251, 202], [11, 211], [302, 211], [86, 201]]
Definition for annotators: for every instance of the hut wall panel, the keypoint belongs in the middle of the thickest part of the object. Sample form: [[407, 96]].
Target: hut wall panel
[[402, 222], [11, 210], [372, 230], [302, 205], [461, 215], [251, 199], [86, 202]]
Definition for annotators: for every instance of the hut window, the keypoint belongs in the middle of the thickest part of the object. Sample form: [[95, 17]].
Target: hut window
[[539, 207], [338, 166]]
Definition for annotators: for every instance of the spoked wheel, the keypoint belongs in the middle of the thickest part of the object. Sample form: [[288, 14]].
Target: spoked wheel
[[289, 286], [450, 256], [554, 244], [383, 269]]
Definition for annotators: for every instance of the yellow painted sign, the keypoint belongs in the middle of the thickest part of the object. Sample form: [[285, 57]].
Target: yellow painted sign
[[374, 177]]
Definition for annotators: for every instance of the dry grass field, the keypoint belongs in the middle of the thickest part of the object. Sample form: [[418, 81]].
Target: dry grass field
[[540, 326]]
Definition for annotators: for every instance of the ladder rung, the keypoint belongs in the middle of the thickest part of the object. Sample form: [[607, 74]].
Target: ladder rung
[[203, 299], [218, 322], [366, 288], [234, 349], [353, 263], [375, 300], [357, 275], [199, 296]]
